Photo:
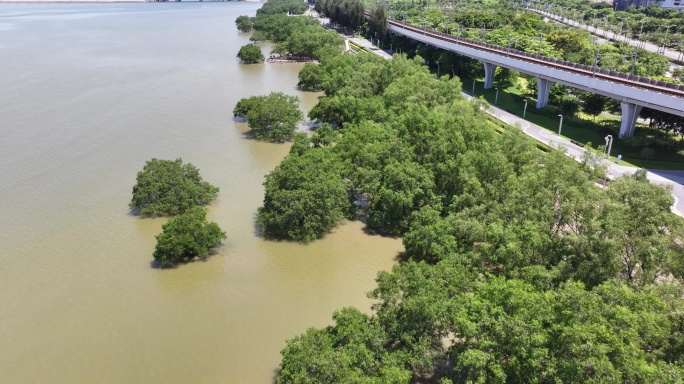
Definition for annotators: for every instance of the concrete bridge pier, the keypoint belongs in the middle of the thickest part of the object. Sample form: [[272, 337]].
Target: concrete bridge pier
[[630, 113], [489, 75], [543, 90]]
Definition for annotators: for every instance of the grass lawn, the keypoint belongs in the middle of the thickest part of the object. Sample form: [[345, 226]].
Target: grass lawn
[[583, 130]]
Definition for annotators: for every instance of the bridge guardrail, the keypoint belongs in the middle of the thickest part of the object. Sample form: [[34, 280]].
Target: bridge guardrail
[[507, 51]]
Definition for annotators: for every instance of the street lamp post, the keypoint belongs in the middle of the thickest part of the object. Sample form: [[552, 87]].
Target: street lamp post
[[437, 61], [540, 43], [593, 72], [525, 109], [511, 41], [609, 145], [473, 87], [641, 31], [605, 27], [496, 98], [622, 24], [667, 29], [560, 126], [636, 53]]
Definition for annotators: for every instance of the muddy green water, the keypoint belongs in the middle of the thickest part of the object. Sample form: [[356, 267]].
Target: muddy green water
[[88, 93]]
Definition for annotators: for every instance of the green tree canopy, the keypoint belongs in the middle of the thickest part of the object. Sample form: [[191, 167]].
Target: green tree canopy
[[348, 13], [169, 187], [305, 197], [244, 23], [187, 236], [250, 53], [518, 267], [273, 117], [593, 104], [309, 40], [310, 77], [272, 7]]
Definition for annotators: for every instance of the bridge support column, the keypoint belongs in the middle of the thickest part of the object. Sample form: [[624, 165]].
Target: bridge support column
[[489, 75], [543, 90], [630, 113]]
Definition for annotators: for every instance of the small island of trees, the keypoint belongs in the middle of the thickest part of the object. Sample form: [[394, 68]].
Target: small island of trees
[[250, 53], [187, 237], [168, 188]]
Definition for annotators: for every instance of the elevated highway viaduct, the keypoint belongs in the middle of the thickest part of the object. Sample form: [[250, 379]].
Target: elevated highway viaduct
[[633, 92]]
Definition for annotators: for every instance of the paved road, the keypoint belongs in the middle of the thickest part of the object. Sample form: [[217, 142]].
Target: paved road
[[673, 178], [672, 54]]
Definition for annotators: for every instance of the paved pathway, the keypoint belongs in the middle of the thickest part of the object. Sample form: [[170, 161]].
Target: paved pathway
[[367, 44], [672, 54], [359, 41], [672, 178]]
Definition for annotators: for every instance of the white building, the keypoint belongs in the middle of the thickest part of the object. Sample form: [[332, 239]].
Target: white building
[[676, 4], [621, 5]]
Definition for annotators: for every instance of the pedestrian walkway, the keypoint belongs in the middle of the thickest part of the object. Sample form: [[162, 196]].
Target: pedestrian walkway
[[669, 53], [368, 45], [673, 178], [358, 41]]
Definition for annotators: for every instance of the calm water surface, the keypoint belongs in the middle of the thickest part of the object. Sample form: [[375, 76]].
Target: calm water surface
[[88, 93]]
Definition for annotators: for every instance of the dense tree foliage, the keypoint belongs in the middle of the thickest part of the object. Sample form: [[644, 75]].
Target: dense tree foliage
[[244, 23], [250, 53], [309, 77], [187, 236], [666, 123], [593, 104], [310, 42], [347, 13], [519, 268], [274, 7], [300, 37], [279, 27], [645, 23], [273, 117], [169, 187], [305, 195], [378, 22]]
